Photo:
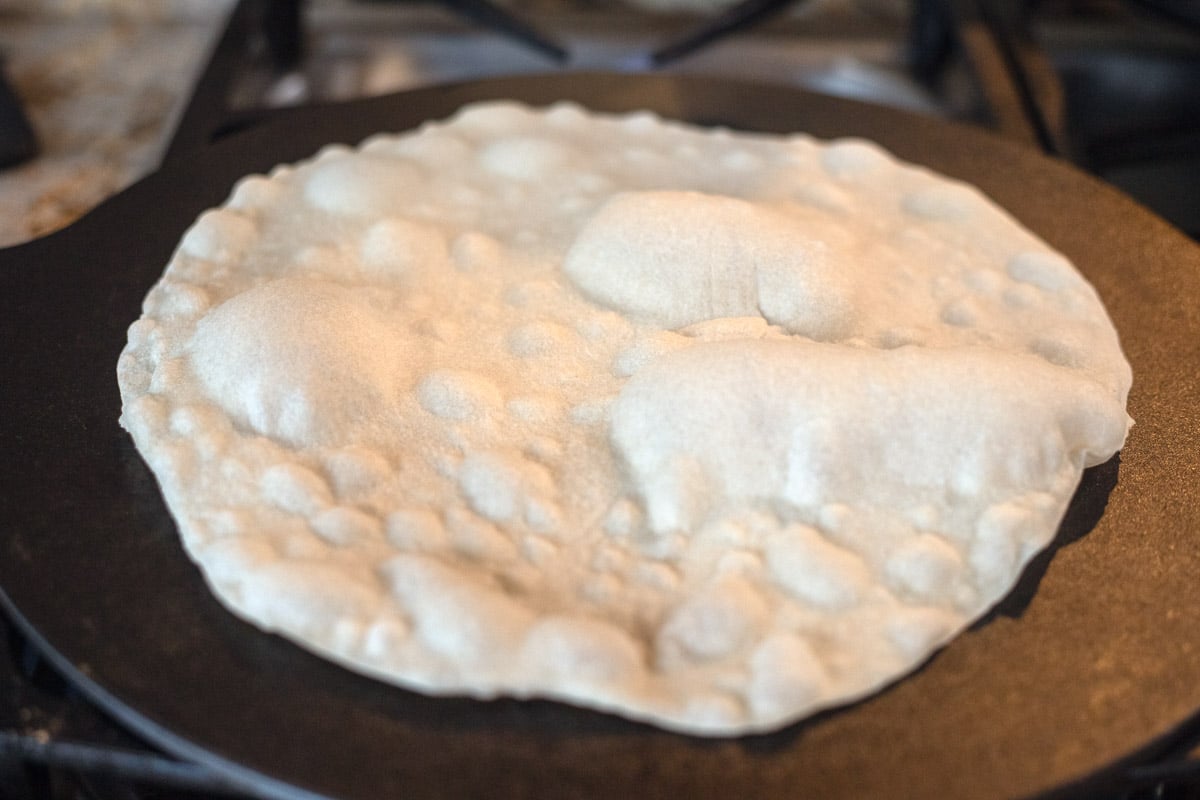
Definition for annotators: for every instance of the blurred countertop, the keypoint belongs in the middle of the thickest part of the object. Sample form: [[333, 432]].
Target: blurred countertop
[[101, 82]]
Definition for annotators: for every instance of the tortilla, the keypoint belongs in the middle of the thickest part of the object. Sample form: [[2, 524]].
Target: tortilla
[[708, 429]]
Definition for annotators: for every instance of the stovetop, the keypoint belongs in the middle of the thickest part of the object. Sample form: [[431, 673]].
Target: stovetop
[[1112, 86]]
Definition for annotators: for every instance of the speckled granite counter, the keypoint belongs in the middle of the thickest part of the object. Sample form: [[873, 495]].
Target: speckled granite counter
[[101, 83]]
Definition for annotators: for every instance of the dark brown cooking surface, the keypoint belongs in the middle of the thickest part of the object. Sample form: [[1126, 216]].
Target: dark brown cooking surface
[[1094, 659]]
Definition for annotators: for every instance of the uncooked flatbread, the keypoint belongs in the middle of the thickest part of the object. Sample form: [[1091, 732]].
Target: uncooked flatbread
[[704, 428]]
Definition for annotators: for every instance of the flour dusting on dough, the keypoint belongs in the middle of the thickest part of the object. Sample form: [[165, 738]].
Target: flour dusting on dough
[[709, 429]]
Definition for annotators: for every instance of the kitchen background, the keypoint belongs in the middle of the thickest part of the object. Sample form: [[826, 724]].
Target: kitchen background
[[104, 82], [1113, 85]]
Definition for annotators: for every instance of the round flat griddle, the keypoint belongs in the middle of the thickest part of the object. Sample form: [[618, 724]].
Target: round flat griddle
[[1092, 663]]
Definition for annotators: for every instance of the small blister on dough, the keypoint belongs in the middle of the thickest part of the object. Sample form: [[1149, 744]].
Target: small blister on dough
[[396, 247], [474, 250], [416, 530], [916, 631], [302, 360], [500, 485], [361, 185], [346, 527], [219, 235], [540, 339], [453, 613], [953, 203], [310, 597], [183, 300], [854, 159], [355, 470], [458, 395], [291, 487], [1043, 269], [925, 565], [525, 158], [715, 623], [784, 672], [584, 650], [816, 570], [997, 542]]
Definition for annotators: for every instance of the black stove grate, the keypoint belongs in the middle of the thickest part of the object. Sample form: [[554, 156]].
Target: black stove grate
[[57, 745]]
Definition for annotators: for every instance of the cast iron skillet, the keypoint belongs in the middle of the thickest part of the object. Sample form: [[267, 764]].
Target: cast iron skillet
[[1092, 663]]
